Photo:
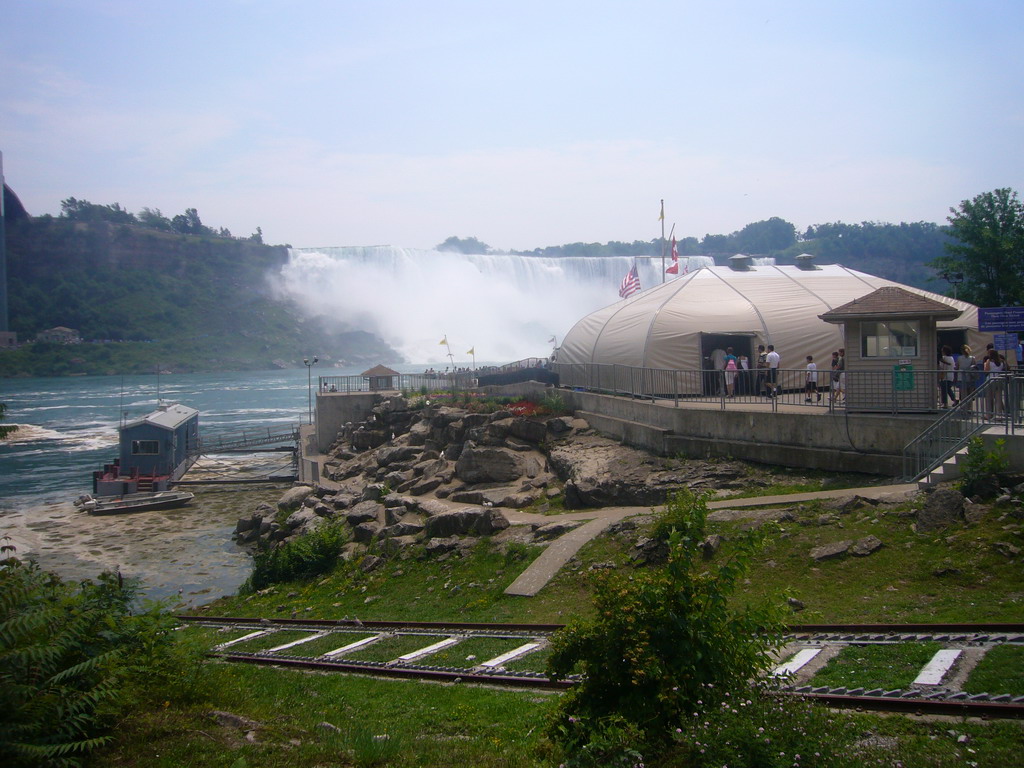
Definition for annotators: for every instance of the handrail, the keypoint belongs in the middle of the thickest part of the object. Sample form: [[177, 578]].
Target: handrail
[[996, 402]]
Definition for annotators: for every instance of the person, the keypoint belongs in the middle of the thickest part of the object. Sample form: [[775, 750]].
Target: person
[[811, 385], [761, 366], [838, 376], [773, 359], [965, 371], [718, 363], [730, 372], [946, 366], [743, 380], [995, 364]]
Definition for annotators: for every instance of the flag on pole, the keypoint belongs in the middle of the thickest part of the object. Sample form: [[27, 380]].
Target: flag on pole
[[674, 269], [552, 340], [471, 351], [661, 217], [630, 283], [444, 341]]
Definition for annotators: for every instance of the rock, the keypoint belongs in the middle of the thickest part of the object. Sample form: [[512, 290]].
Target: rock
[[294, 497], [301, 518], [528, 429], [439, 546], [481, 522], [942, 507], [351, 551], [388, 455], [795, 604], [556, 529], [492, 465], [431, 507], [327, 727], [866, 546], [830, 551], [370, 563], [393, 546], [374, 492], [711, 545], [1006, 549], [231, 720], [650, 551], [407, 527], [364, 512], [365, 532], [559, 425]]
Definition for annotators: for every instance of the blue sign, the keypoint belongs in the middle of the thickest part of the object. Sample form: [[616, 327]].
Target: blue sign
[[993, 319], [1005, 341]]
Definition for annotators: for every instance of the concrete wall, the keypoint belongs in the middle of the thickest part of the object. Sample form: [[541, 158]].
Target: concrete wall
[[335, 409]]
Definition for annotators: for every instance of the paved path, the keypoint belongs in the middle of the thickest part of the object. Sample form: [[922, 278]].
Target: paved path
[[562, 549]]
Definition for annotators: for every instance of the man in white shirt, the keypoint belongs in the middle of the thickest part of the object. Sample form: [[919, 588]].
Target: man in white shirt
[[773, 360]]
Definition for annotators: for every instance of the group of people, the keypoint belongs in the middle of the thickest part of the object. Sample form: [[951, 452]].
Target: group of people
[[960, 374], [737, 377]]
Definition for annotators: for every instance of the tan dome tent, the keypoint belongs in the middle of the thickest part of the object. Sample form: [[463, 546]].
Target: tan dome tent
[[677, 325]]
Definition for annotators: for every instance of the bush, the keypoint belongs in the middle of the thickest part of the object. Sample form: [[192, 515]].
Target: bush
[[665, 643], [72, 657], [307, 556], [982, 467]]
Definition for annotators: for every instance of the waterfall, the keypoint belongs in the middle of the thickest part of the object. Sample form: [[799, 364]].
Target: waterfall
[[505, 307]]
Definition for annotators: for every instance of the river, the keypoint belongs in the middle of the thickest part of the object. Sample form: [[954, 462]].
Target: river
[[68, 428]]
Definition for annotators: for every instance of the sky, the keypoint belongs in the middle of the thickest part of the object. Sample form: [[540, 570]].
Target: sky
[[524, 124]]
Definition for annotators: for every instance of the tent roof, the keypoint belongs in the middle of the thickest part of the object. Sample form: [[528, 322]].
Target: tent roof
[[892, 301], [662, 326]]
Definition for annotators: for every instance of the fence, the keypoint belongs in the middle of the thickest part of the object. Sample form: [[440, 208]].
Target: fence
[[402, 382], [894, 391]]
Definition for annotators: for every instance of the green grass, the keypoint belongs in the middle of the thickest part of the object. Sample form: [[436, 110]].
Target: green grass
[[876, 666], [1001, 670], [952, 575]]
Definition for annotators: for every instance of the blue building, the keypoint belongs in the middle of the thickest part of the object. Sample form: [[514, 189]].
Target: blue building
[[155, 450]]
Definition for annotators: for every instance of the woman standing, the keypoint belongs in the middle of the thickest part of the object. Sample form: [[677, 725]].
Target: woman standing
[[946, 366], [994, 365]]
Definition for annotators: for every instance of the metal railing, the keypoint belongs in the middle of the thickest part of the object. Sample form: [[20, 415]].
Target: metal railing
[[400, 382], [248, 438], [995, 404]]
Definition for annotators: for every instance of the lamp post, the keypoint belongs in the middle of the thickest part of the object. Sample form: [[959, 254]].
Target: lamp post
[[309, 382], [954, 279]]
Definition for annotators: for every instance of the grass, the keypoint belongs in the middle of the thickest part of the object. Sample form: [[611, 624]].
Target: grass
[[876, 666], [953, 575], [1001, 670]]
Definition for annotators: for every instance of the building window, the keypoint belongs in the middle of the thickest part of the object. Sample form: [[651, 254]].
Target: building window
[[896, 338], [145, 447]]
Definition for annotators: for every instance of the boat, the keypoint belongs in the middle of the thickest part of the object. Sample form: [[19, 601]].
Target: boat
[[133, 502]]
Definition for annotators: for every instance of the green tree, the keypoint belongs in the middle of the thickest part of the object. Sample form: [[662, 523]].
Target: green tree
[[464, 245], [189, 223], [989, 249], [83, 210], [769, 236], [665, 642], [152, 218]]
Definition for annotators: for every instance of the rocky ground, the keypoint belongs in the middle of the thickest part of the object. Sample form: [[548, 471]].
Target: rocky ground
[[441, 475]]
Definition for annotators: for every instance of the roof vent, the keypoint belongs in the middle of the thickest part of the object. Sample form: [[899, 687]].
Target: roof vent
[[739, 263], [805, 261]]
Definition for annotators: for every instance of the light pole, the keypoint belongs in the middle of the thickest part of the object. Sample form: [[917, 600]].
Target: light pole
[[954, 279], [309, 382]]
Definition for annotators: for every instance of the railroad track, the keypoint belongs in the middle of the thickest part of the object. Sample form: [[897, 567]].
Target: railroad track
[[365, 647]]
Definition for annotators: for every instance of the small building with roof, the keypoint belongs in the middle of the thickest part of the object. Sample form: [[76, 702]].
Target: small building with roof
[[381, 378], [892, 348], [154, 451]]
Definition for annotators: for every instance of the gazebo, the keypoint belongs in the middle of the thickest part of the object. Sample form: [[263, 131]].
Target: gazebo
[[381, 378]]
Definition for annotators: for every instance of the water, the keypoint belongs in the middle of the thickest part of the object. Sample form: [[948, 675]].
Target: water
[[70, 429], [506, 307]]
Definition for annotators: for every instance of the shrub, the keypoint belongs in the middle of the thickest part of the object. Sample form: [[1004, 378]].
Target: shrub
[[72, 656], [664, 642], [982, 467], [307, 556]]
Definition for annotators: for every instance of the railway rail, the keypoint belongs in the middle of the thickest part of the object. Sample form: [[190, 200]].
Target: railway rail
[[345, 639]]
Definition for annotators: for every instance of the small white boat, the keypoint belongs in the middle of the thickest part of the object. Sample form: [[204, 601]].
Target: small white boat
[[133, 502]]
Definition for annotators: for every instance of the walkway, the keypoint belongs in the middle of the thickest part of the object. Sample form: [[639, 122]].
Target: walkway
[[562, 549]]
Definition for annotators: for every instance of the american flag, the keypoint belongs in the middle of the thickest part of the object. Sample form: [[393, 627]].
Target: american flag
[[630, 283]]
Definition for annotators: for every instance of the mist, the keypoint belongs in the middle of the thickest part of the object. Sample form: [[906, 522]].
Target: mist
[[504, 307]]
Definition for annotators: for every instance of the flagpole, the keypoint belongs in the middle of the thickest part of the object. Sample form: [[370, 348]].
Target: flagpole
[[663, 241]]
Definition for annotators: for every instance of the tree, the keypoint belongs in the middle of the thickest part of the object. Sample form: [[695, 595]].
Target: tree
[[189, 223], [83, 210], [464, 245], [989, 249], [154, 219], [769, 236]]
